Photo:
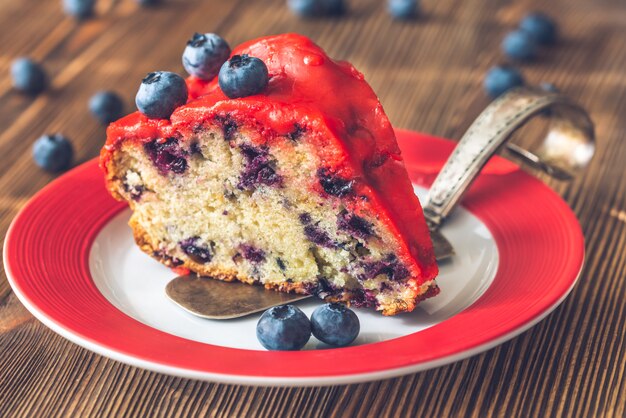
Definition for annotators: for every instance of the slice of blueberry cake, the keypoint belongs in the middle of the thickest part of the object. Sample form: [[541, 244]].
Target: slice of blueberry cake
[[282, 170]]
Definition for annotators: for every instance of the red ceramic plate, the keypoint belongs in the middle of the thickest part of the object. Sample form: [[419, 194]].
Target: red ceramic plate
[[540, 252]]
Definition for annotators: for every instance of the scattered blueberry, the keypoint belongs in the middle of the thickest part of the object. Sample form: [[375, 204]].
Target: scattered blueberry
[[363, 298], [79, 8], [540, 26], [28, 76], [280, 263], [502, 78], [106, 106], [148, 2], [549, 87], [333, 184], [53, 152], [229, 126], [318, 236], [166, 155], [160, 94], [305, 8], [205, 54], [335, 324], [354, 225], [198, 252], [519, 45], [297, 132], [252, 254], [283, 328], [389, 266], [313, 8], [333, 7], [242, 76], [259, 169], [402, 9]]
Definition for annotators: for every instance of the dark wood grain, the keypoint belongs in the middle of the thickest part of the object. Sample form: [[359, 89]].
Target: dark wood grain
[[428, 74]]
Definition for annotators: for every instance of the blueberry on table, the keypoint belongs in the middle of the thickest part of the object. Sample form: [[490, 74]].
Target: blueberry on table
[[540, 26], [160, 93], [79, 8], [305, 8], [402, 9], [519, 45], [283, 327], [242, 76], [333, 7], [549, 87], [28, 76], [106, 106], [335, 324], [53, 152], [501, 78], [205, 54], [148, 2], [312, 8]]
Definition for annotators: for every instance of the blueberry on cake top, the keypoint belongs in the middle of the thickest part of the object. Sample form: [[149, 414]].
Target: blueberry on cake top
[[299, 187]]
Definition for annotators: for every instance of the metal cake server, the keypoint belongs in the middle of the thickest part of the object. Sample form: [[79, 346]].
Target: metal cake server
[[565, 151], [216, 299]]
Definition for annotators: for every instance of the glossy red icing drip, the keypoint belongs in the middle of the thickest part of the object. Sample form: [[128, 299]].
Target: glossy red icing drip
[[332, 101]]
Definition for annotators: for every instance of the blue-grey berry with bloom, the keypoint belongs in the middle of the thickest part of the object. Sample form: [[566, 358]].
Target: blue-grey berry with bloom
[[402, 9], [53, 152], [549, 87], [540, 26], [79, 9], [333, 7], [335, 324], [305, 8], [501, 78], [283, 327], [160, 93], [204, 55], [106, 106], [148, 2], [316, 8], [28, 76], [242, 76], [519, 45]]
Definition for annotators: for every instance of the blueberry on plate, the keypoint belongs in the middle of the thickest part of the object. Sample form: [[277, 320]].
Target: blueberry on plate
[[540, 26], [205, 54], [335, 324], [519, 45], [53, 152], [106, 106], [242, 76], [160, 93], [502, 78], [283, 327], [402, 9], [28, 76], [79, 8], [305, 8]]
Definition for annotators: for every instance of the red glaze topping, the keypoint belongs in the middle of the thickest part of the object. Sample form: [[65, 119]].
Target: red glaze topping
[[339, 110]]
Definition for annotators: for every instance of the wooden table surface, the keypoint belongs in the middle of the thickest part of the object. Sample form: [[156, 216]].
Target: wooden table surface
[[428, 74]]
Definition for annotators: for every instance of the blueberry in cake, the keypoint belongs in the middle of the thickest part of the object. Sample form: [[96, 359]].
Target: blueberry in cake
[[296, 182]]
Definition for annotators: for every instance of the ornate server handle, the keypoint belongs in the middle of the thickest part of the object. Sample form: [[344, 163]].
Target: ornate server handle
[[567, 148]]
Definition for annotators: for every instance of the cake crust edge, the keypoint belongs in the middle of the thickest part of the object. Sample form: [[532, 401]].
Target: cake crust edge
[[143, 242]]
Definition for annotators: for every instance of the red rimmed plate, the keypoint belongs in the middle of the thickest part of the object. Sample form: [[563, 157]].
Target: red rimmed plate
[[70, 259]]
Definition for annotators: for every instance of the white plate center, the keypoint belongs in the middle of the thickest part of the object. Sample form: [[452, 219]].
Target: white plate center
[[135, 283]]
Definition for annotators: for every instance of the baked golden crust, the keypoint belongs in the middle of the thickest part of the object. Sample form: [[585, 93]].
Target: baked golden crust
[[151, 248]]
